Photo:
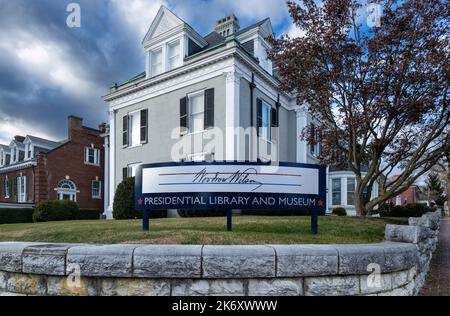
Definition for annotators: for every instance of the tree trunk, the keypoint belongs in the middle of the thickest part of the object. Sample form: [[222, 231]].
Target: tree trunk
[[359, 202]]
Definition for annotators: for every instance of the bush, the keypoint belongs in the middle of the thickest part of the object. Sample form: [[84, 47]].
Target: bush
[[410, 210], [16, 216], [51, 211], [87, 214], [278, 213], [202, 213], [340, 211], [123, 207]]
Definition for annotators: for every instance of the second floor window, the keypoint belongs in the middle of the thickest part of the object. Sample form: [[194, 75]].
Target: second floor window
[[92, 156], [6, 188], [196, 112], [351, 186]]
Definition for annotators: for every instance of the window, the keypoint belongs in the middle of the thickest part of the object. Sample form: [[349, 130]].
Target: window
[[22, 189], [92, 156], [196, 112], [336, 191], [156, 62], [265, 122], [96, 189], [134, 123], [2, 159], [130, 170], [13, 155], [174, 55], [6, 188], [351, 187], [67, 191]]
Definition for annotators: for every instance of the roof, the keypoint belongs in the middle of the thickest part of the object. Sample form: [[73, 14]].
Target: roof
[[43, 141], [213, 39]]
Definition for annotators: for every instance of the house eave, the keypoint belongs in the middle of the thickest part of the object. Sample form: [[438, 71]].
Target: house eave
[[18, 166]]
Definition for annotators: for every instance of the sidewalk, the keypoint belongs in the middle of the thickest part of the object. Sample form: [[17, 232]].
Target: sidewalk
[[438, 280]]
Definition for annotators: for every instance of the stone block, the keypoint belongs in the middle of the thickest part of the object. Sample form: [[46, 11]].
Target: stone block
[[167, 262], [11, 255], [332, 286], [26, 284], [101, 261], [44, 259], [360, 259], [229, 262], [72, 286], [135, 287], [306, 260], [375, 283], [3, 280], [400, 256], [208, 288], [400, 279], [408, 234], [275, 287]]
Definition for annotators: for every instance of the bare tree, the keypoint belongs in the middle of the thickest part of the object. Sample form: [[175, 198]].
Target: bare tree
[[380, 93]]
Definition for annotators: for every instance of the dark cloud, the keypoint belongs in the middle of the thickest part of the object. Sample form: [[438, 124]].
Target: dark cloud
[[103, 51]]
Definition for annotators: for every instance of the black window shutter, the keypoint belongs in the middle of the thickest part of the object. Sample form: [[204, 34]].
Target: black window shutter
[[125, 131], [274, 116], [183, 116], [144, 126], [259, 115], [124, 173], [209, 108]]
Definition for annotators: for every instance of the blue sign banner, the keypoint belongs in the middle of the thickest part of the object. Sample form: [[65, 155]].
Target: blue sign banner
[[231, 185]]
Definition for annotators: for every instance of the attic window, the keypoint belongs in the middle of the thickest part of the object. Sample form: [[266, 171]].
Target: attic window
[[174, 55], [156, 61]]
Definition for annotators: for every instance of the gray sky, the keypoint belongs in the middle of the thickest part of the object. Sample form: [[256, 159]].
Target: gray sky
[[49, 71]]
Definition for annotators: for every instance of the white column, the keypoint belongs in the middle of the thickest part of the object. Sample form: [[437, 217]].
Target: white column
[[112, 160], [328, 182], [344, 191], [106, 186], [302, 145], [147, 64], [233, 80]]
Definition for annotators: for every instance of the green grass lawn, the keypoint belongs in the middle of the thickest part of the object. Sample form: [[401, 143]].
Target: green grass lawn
[[247, 230]]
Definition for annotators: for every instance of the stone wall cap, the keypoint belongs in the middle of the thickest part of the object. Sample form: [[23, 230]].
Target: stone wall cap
[[104, 250], [168, 250], [246, 251], [305, 250]]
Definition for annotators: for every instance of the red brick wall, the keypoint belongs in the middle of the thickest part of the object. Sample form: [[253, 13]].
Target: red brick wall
[[28, 172], [68, 162]]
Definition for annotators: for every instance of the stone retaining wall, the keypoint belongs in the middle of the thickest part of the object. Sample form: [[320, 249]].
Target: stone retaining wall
[[395, 267]]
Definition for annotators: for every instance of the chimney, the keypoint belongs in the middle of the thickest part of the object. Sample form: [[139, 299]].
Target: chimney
[[102, 128], [19, 139], [75, 124], [227, 26]]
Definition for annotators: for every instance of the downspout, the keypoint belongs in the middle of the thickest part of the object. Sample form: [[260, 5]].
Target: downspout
[[252, 122]]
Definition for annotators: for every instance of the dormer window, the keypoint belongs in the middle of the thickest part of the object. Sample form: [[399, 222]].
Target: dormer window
[[2, 158], [29, 151], [156, 62], [174, 55], [13, 155]]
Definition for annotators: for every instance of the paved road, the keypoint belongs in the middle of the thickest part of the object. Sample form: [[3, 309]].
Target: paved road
[[438, 280]]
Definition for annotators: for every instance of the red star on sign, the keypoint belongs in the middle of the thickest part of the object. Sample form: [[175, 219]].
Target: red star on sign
[[140, 201], [320, 203]]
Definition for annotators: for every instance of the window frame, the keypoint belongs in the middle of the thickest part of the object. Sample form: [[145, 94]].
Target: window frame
[[266, 107], [87, 155], [190, 113], [349, 180], [171, 57], [335, 191], [7, 186], [99, 196], [154, 52], [135, 115]]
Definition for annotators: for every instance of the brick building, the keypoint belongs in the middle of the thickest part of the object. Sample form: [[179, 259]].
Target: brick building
[[33, 169]]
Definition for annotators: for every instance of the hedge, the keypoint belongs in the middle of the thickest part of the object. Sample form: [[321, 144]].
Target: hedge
[[51, 211], [202, 213], [410, 210], [16, 216]]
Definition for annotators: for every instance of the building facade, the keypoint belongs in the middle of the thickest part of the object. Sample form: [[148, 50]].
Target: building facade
[[33, 170], [215, 97]]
